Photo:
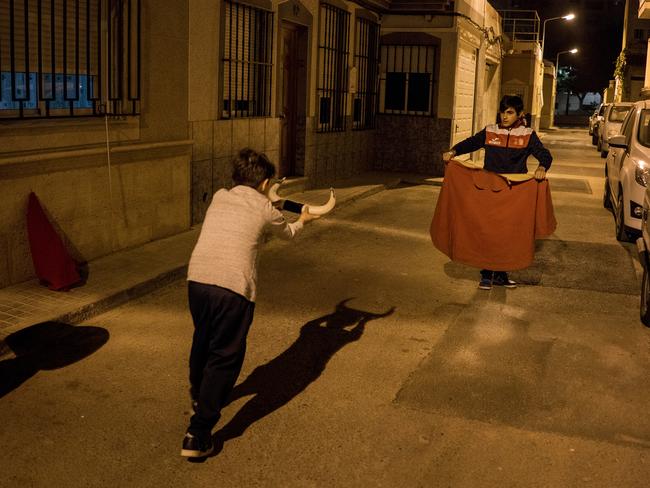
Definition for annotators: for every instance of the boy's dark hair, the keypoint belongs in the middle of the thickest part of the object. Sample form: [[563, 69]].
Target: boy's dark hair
[[511, 101], [251, 168]]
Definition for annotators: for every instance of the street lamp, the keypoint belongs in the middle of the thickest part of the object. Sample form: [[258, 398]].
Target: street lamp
[[557, 58], [570, 16], [557, 70]]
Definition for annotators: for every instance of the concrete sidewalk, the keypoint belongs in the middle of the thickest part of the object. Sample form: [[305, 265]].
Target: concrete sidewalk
[[116, 278]]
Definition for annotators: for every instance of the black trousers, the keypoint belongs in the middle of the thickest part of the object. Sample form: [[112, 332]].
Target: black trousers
[[222, 319], [489, 274]]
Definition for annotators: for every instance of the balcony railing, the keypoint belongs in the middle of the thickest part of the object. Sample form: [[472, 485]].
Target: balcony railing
[[521, 25]]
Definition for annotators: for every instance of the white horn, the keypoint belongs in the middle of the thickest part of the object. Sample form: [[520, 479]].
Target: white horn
[[273, 191], [323, 209]]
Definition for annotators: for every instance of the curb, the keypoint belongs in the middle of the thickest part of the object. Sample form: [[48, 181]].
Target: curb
[[149, 285], [123, 296]]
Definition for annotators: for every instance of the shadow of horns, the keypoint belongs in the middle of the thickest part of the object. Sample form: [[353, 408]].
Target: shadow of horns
[[277, 382]]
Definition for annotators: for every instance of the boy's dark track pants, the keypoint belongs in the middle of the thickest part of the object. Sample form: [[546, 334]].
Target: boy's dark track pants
[[221, 322]]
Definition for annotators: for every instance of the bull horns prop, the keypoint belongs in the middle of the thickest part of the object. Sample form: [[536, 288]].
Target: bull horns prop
[[297, 207]]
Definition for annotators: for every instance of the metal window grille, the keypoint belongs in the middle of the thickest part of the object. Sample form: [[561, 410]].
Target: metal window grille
[[247, 61], [406, 85], [333, 46], [366, 60], [69, 58]]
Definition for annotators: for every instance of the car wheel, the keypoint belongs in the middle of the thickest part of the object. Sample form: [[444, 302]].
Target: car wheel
[[607, 195], [645, 298], [619, 219]]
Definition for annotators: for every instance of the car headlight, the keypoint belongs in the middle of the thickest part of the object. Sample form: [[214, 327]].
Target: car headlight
[[642, 174]]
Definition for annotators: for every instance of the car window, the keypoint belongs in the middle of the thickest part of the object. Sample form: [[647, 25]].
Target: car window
[[644, 128], [617, 114], [626, 127]]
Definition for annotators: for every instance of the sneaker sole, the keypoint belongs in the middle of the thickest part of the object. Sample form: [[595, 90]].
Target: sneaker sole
[[484, 287], [191, 453]]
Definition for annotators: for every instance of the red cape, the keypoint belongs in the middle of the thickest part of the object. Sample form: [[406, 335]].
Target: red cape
[[52, 263], [486, 221]]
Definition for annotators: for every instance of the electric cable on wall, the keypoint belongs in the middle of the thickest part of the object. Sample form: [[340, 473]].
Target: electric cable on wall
[[110, 184]]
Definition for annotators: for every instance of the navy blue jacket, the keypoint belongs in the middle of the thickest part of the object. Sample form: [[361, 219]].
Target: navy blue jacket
[[506, 149]]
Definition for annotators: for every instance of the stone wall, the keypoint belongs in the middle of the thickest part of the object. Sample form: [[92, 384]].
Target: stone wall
[[216, 142], [336, 155], [149, 185], [412, 144]]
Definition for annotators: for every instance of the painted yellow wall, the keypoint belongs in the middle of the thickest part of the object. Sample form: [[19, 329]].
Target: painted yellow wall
[[64, 161]]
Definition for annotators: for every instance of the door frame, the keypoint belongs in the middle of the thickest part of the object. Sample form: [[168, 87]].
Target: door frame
[[294, 13]]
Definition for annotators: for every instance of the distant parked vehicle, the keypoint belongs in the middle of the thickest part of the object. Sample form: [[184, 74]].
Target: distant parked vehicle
[[627, 171], [611, 124], [597, 122], [594, 119]]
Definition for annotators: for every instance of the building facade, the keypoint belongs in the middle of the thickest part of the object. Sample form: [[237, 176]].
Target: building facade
[[124, 116], [631, 65], [93, 120]]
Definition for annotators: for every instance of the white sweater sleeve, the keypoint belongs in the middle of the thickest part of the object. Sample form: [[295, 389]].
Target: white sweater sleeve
[[280, 227]]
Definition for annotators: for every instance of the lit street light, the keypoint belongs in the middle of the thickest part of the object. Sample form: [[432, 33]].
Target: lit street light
[[564, 17], [557, 70], [557, 58]]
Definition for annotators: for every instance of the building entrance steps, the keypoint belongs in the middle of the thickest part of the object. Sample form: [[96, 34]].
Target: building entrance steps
[[116, 278]]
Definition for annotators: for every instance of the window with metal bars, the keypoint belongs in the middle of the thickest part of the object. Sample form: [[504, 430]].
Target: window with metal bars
[[69, 58], [406, 85], [366, 60], [333, 50], [247, 66]]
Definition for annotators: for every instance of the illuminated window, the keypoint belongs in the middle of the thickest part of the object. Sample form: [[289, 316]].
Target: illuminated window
[[64, 58]]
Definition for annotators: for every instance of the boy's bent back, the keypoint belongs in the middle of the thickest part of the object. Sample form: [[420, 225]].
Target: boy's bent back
[[226, 252]]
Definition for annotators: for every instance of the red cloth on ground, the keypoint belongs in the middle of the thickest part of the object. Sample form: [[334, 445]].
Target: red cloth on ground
[[483, 220], [52, 263]]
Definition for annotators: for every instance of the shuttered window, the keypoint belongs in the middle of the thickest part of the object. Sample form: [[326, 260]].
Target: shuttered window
[[69, 58], [333, 51], [247, 66], [366, 60]]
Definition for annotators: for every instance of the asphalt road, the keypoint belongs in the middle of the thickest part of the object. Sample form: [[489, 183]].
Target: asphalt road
[[372, 361]]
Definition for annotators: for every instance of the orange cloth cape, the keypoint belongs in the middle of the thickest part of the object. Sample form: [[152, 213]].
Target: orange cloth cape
[[482, 219]]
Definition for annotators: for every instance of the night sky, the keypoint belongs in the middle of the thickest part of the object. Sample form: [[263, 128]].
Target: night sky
[[596, 34]]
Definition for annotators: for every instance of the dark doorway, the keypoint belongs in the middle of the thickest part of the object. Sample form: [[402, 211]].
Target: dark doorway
[[293, 42]]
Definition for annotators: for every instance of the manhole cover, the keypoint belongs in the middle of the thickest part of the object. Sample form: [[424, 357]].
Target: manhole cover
[[570, 185]]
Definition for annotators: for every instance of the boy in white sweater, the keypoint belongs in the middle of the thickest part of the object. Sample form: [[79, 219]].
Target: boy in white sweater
[[222, 277]]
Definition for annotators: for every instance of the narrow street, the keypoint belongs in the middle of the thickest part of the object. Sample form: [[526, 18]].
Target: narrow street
[[372, 361]]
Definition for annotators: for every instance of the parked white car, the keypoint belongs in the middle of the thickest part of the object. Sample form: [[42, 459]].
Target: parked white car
[[611, 124], [643, 246], [595, 119], [627, 171]]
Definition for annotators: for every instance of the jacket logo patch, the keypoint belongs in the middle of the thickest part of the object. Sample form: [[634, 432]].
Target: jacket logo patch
[[519, 141], [496, 141]]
